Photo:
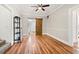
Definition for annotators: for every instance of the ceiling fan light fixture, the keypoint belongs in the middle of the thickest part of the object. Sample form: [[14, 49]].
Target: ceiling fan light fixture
[[39, 8]]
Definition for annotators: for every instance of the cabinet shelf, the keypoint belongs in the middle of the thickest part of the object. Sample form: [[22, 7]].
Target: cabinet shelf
[[16, 22], [17, 33], [17, 27]]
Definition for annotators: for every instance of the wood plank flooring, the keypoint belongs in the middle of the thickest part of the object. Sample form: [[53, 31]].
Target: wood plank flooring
[[40, 45]]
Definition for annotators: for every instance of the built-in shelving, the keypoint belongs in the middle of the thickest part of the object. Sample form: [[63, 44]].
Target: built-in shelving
[[17, 32]]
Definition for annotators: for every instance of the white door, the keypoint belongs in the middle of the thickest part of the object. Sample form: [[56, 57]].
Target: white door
[[75, 28]]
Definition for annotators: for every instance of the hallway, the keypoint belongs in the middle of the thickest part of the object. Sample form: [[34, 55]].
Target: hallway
[[50, 23], [40, 45]]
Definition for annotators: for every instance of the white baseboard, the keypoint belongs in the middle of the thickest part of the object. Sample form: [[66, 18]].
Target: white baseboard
[[58, 39]]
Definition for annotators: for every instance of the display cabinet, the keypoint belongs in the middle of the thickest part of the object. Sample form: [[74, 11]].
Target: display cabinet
[[17, 32]]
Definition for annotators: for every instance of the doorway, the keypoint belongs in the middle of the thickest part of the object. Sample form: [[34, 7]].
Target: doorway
[[35, 26], [31, 26]]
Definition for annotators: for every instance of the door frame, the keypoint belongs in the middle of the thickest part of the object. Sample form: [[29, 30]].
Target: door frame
[[73, 25]]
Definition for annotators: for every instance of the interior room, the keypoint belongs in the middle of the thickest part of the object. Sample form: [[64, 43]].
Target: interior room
[[39, 29]]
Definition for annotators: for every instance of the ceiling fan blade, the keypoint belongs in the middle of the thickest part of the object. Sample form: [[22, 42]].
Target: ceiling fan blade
[[36, 10], [43, 9], [45, 5]]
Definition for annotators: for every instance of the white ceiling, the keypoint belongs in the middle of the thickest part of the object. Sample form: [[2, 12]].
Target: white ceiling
[[26, 10]]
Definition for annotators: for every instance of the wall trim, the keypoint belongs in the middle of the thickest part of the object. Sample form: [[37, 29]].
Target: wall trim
[[58, 39]]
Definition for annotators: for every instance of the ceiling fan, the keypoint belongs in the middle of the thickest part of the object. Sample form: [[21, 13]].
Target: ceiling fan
[[41, 6]]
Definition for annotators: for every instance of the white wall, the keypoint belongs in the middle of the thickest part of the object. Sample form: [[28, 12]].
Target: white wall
[[5, 24], [44, 25], [25, 26], [58, 24]]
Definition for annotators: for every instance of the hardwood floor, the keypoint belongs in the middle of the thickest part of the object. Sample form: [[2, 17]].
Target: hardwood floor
[[40, 45]]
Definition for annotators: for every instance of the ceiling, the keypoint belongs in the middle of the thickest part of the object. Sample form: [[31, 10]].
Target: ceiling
[[25, 10]]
